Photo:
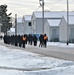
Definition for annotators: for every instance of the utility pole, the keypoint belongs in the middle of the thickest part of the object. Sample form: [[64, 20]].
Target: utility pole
[[15, 24], [42, 4], [43, 15], [67, 22]]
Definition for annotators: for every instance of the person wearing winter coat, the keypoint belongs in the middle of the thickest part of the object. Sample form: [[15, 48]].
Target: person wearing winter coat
[[41, 39], [35, 40], [45, 40], [24, 40]]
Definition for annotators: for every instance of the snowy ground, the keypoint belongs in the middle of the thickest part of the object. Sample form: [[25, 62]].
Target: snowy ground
[[71, 45], [19, 62]]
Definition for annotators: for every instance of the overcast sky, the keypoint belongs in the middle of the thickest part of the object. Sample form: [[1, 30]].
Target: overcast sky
[[26, 7]]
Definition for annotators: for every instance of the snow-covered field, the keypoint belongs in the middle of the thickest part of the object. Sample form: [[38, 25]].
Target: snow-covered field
[[19, 62], [71, 45]]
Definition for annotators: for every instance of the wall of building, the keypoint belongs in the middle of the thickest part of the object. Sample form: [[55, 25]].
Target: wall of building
[[20, 29], [27, 28], [33, 22], [54, 32], [63, 31], [71, 32]]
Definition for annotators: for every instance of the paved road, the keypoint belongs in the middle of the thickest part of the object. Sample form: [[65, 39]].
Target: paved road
[[54, 51], [51, 51]]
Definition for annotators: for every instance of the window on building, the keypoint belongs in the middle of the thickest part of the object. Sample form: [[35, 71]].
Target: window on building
[[29, 23]]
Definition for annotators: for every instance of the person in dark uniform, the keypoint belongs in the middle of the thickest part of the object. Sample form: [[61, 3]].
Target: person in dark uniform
[[45, 40], [19, 40], [16, 40], [35, 40], [41, 39], [24, 40]]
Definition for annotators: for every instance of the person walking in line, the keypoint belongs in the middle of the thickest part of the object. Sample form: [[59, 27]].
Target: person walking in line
[[16, 40], [41, 38], [35, 40], [24, 41], [45, 40]]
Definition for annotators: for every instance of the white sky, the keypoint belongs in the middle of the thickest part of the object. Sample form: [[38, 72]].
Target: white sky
[[26, 7]]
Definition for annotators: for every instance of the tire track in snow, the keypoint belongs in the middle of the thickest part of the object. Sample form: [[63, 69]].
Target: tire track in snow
[[23, 69]]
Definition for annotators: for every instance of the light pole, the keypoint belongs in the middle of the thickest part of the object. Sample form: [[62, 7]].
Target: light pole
[[67, 21], [42, 4]]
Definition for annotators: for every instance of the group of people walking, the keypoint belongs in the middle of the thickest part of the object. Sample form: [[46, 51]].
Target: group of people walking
[[22, 40]]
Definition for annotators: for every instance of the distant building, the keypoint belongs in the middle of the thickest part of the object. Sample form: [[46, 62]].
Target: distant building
[[67, 32], [64, 32], [20, 27], [51, 28], [37, 20], [27, 24]]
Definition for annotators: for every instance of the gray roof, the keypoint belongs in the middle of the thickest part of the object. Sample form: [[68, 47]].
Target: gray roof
[[47, 14], [54, 22], [56, 14], [71, 16]]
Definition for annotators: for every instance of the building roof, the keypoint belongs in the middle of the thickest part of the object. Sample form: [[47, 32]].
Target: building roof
[[54, 22], [27, 17], [71, 20], [47, 14], [56, 14], [71, 16]]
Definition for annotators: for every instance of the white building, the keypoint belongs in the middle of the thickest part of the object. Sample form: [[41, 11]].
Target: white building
[[37, 20], [71, 28], [51, 28], [27, 24], [67, 31], [20, 27]]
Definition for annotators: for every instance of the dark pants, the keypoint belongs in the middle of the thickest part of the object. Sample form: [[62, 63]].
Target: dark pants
[[23, 44], [45, 43]]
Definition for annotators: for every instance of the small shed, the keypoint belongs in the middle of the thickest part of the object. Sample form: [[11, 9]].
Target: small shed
[[52, 29]]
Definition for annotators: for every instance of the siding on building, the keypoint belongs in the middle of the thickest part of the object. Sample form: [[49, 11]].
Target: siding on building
[[52, 28], [63, 31], [37, 20], [27, 24], [20, 29]]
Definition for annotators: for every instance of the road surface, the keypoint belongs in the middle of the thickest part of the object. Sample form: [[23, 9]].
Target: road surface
[[66, 53]]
